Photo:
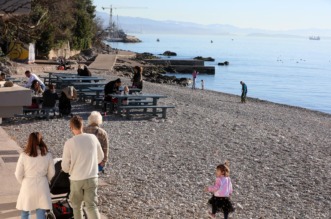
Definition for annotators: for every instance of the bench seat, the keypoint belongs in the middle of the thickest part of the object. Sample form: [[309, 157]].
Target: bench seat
[[129, 110], [37, 113]]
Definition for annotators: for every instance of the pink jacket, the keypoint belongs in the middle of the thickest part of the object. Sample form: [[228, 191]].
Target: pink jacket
[[222, 187], [194, 74]]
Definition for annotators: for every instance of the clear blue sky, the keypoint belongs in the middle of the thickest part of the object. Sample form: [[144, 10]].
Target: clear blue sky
[[265, 14]]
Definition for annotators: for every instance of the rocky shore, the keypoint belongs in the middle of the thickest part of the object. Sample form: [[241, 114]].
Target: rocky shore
[[154, 73], [280, 156]]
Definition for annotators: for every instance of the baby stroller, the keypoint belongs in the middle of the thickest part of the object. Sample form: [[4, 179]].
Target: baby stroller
[[60, 189]]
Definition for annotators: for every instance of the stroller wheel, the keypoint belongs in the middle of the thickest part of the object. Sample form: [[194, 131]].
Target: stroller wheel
[[50, 215]]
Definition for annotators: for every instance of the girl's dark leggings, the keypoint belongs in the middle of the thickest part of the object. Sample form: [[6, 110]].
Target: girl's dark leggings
[[226, 215], [214, 209]]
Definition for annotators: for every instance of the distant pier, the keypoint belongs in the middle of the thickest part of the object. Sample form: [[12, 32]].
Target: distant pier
[[184, 66]]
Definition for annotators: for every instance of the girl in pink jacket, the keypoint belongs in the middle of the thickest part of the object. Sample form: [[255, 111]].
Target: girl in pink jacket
[[222, 190]]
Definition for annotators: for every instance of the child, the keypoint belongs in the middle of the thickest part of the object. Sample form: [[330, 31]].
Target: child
[[220, 201]]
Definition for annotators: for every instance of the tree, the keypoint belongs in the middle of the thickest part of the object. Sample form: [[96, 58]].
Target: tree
[[84, 15], [51, 23]]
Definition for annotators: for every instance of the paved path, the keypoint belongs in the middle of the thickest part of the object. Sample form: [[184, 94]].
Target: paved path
[[9, 187], [106, 62]]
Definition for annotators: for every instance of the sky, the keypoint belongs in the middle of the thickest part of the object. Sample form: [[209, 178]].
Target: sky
[[263, 14]]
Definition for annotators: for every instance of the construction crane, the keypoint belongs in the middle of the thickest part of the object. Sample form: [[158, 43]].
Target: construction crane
[[111, 24]]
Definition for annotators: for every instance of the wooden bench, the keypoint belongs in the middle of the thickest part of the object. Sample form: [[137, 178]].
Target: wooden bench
[[82, 92], [129, 109], [37, 113], [136, 102], [86, 95], [140, 102], [97, 100]]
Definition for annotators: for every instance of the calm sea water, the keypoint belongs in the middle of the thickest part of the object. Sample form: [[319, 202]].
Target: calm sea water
[[289, 71]]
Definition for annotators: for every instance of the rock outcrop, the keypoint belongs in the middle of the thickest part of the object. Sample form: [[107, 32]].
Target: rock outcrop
[[207, 59], [169, 53], [223, 63]]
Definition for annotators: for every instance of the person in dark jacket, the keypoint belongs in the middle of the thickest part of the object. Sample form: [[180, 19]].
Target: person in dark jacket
[[50, 97], [111, 87], [85, 72], [243, 92], [137, 80], [64, 105], [68, 93], [80, 70]]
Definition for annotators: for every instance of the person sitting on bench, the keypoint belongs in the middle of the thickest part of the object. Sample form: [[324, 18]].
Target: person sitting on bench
[[50, 97], [111, 87]]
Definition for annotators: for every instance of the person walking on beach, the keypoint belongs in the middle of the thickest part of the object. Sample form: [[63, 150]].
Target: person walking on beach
[[94, 122], [194, 76], [243, 92], [34, 170], [222, 190], [81, 155]]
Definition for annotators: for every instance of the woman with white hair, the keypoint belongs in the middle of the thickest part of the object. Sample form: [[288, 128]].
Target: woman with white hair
[[94, 122]]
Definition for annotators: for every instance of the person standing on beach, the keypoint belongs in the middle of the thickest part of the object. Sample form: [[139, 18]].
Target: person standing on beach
[[94, 122], [222, 190], [243, 92], [194, 76], [81, 155]]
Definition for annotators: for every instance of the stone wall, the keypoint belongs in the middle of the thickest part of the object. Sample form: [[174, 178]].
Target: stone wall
[[55, 53]]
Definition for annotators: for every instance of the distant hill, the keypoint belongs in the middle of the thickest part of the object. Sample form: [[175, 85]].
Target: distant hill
[[143, 25]]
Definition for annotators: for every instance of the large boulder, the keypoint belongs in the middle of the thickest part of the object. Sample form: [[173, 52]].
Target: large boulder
[[208, 59], [169, 53], [223, 63]]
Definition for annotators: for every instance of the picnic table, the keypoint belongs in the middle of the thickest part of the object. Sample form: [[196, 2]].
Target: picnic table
[[99, 90], [54, 76], [39, 112], [14, 80], [137, 97], [66, 81], [83, 87]]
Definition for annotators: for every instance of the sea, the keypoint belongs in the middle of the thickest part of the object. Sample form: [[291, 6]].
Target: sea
[[291, 71]]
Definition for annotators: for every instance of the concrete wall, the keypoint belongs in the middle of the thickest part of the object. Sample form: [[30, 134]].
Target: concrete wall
[[12, 100], [185, 66], [176, 62]]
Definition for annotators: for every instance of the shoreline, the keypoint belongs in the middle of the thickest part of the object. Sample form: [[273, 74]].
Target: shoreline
[[275, 103], [253, 98]]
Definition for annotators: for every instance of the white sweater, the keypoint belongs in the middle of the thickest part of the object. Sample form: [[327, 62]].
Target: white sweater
[[81, 156], [32, 78]]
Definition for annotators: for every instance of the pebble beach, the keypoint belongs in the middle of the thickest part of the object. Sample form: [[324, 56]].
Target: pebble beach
[[280, 156]]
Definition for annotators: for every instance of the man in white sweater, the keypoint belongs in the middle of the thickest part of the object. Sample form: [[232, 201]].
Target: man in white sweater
[[81, 155], [33, 77]]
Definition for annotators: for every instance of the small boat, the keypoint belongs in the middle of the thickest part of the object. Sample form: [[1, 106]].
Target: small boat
[[157, 40], [314, 38], [211, 41]]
